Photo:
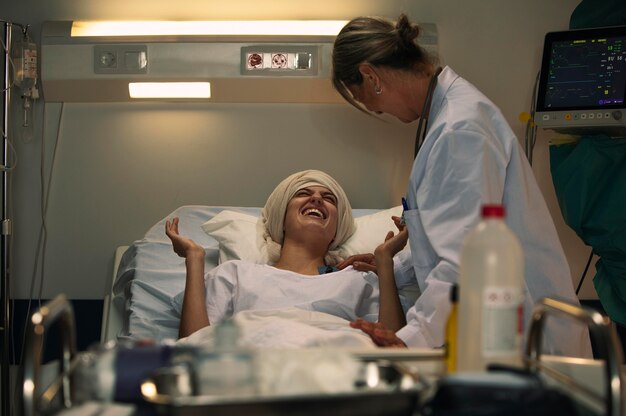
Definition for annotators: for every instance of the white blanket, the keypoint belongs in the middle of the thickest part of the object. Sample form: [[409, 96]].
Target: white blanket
[[296, 351], [288, 328]]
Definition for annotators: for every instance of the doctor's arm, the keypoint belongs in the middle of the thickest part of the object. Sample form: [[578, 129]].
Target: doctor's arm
[[194, 314]]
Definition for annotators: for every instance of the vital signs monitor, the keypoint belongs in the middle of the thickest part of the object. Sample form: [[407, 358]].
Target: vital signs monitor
[[582, 84]]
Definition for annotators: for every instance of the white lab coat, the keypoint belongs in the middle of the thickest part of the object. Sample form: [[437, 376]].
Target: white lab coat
[[469, 157]]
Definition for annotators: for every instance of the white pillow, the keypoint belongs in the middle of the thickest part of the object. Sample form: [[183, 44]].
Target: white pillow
[[236, 234], [371, 231], [238, 238]]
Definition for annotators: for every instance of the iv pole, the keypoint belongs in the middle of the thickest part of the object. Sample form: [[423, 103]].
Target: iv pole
[[4, 248], [5, 230]]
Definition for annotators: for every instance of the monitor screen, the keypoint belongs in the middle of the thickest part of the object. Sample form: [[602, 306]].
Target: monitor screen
[[583, 69]]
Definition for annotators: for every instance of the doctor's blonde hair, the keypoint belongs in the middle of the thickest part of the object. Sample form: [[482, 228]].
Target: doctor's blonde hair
[[379, 42]]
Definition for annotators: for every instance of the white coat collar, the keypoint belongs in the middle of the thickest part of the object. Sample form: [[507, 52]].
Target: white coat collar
[[444, 81]]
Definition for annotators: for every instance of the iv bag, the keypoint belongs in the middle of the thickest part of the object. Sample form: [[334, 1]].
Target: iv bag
[[24, 56]]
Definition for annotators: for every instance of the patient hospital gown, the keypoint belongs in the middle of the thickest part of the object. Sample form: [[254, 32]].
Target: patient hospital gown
[[470, 157], [236, 286]]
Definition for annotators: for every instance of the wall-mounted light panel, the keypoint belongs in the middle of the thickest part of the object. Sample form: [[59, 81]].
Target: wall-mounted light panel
[[169, 90], [267, 67], [256, 28]]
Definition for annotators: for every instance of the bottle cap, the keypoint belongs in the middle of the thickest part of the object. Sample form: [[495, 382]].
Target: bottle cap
[[454, 293], [493, 211]]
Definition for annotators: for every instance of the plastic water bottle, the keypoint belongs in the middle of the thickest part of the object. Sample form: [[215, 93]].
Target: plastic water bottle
[[491, 289]]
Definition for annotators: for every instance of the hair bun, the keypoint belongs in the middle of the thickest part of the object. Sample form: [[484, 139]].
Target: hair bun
[[407, 31]]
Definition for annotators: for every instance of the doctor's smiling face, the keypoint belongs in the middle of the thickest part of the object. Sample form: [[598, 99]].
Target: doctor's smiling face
[[312, 211]]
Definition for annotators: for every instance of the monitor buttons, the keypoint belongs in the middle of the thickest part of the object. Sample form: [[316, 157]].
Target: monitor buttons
[[583, 116], [617, 115], [592, 116]]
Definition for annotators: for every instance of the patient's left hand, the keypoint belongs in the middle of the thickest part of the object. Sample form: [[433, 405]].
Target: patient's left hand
[[393, 244], [381, 336]]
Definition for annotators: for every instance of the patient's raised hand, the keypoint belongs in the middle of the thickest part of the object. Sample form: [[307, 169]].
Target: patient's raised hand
[[183, 246], [392, 245]]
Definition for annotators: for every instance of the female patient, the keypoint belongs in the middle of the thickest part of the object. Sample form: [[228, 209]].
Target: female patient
[[306, 220]]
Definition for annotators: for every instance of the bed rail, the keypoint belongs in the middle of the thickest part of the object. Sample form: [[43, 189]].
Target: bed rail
[[605, 341], [58, 309]]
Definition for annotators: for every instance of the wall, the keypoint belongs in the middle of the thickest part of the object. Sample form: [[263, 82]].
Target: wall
[[119, 168]]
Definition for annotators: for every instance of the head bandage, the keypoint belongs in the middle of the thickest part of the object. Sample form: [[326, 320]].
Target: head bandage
[[273, 214]]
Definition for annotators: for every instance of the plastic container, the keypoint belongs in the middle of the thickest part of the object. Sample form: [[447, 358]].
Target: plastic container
[[115, 372], [491, 289], [226, 370]]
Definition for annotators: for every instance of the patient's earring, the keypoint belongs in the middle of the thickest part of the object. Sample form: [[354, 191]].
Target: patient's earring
[[378, 90]]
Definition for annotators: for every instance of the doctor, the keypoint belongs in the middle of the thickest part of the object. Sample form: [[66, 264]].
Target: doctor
[[468, 156]]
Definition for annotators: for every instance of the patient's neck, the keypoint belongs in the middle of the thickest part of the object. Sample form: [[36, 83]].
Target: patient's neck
[[299, 258]]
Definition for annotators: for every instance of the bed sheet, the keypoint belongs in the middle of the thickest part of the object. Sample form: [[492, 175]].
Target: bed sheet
[[150, 274]]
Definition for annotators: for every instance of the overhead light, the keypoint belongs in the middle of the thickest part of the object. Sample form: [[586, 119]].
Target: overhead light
[[172, 90], [214, 27]]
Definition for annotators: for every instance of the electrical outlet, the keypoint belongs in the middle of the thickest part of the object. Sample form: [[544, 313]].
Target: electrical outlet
[[120, 59]]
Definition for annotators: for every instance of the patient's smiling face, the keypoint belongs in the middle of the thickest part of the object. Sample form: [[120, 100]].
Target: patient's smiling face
[[312, 209]]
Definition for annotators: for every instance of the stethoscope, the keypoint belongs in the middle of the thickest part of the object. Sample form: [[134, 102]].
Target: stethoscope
[[422, 127]]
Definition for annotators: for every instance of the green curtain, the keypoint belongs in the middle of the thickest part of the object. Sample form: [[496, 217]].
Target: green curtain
[[598, 13], [590, 181], [589, 177]]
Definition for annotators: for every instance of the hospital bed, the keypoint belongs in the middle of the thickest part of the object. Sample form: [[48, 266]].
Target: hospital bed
[[148, 275]]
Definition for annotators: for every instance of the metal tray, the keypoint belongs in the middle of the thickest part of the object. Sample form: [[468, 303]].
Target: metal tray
[[385, 388]]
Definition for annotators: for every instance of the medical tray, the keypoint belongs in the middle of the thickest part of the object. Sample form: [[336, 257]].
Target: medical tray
[[395, 391]]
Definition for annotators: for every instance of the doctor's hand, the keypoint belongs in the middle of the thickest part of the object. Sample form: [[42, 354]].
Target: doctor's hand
[[360, 262], [381, 336], [183, 246]]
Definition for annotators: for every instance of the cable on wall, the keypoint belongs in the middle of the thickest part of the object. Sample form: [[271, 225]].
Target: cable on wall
[[43, 230], [530, 137]]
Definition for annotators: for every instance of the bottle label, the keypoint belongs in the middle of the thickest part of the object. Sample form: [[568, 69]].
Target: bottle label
[[502, 321]]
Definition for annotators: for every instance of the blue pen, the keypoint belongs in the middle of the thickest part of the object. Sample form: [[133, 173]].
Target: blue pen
[[405, 208]]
